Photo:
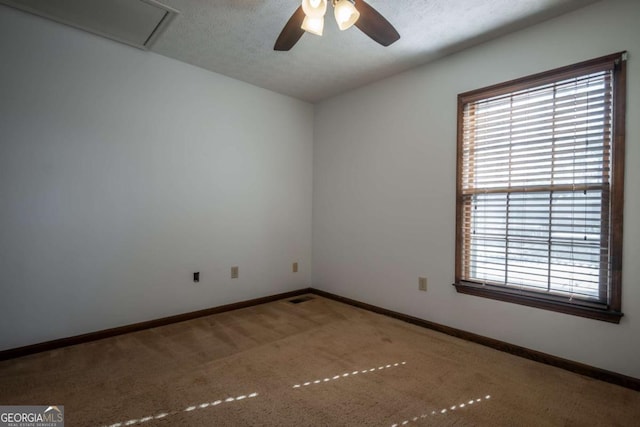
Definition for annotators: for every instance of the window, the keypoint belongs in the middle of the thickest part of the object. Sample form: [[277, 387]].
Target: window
[[540, 174]]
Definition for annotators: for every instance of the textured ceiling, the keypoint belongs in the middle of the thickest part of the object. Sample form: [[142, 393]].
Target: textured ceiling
[[236, 38]]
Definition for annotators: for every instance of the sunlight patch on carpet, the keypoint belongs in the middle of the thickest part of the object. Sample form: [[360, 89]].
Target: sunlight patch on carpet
[[347, 374], [191, 408], [442, 411]]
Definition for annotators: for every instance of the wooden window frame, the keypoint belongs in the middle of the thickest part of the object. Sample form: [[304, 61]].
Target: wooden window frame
[[612, 310]]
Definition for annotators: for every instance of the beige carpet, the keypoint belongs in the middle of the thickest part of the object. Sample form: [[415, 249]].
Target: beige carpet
[[318, 363]]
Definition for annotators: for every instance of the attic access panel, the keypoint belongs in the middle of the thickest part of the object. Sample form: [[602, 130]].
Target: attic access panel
[[135, 22]]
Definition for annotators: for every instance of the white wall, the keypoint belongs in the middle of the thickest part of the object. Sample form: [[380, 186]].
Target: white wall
[[384, 189], [122, 172]]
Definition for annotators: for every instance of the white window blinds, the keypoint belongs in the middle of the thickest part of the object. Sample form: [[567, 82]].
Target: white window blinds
[[534, 177]]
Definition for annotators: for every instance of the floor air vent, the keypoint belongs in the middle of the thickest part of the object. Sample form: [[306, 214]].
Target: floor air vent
[[299, 300]]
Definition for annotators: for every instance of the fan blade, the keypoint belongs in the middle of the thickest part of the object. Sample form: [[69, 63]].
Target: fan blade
[[291, 32], [375, 25]]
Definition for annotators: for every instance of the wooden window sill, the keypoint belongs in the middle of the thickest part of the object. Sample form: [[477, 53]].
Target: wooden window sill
[[546, 302]]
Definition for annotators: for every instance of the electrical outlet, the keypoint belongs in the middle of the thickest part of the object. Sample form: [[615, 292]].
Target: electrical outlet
[[294, 268], [235, 272], [196, 276], [422, 284]]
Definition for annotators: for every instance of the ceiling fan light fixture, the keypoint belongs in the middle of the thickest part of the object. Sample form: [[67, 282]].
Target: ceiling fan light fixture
[[314, 8], [345, 13], [313, 25]]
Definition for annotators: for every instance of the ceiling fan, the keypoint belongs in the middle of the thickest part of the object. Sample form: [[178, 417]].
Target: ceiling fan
[[309, 17]]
